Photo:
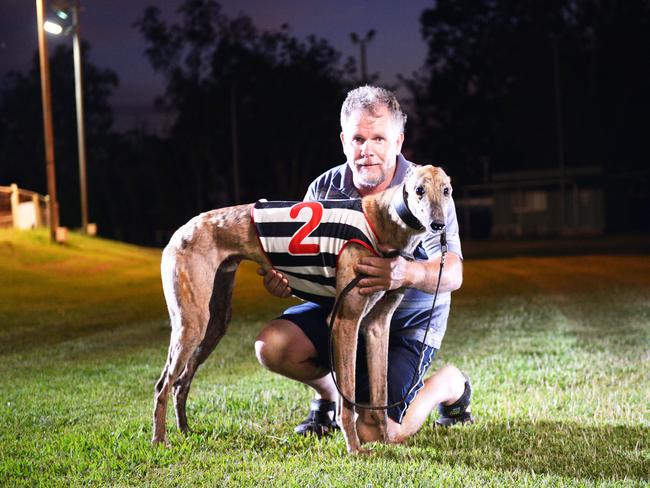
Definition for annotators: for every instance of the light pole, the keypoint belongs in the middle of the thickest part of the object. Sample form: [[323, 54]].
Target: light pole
[[81, 134], [559, 132], [78, 85], [48, 131], [362, 46], [235, 145]]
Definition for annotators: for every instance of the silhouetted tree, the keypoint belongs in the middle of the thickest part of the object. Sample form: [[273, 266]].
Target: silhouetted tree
[[21, 128], [505, 80], [279, 93]]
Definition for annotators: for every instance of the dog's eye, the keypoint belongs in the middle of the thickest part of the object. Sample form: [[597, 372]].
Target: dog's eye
[[419, 191], [445, 191]]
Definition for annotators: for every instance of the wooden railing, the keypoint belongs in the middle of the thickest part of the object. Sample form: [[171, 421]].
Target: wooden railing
[[22, 209]]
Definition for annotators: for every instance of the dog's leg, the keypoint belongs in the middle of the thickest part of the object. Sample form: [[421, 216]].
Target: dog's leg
[[220, 314], [187, 292], [345, 353], [160, 404], [181, 347], [344, 335], [376, 328]]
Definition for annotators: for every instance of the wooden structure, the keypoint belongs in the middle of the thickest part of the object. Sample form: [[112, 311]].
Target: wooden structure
[[22, 209]]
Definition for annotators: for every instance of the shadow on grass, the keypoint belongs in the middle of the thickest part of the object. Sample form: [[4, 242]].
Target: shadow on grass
[[566, 449], [569, 451], [605, 453], [608, 452]]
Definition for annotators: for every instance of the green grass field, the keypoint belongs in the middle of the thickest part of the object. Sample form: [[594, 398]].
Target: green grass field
[[557, 348]]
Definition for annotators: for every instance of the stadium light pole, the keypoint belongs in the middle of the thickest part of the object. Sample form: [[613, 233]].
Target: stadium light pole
[[81, 133], [559, 116], [54, 28], [362, 46], [48, 131]]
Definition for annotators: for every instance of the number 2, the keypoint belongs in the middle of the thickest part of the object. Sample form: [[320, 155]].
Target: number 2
[[296, 246]]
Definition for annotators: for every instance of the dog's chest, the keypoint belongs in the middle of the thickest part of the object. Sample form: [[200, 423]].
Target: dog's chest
[[304, 239]]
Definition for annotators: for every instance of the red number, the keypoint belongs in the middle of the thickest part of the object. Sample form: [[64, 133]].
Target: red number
[[295, 245]]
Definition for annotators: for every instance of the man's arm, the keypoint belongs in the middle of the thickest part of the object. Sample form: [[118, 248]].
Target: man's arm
[[392, 273]]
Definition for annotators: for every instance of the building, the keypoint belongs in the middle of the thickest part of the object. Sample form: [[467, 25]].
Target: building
[[534, 204]]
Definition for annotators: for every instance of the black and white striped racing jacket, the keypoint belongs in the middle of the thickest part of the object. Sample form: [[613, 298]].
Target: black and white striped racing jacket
[[304, 239]]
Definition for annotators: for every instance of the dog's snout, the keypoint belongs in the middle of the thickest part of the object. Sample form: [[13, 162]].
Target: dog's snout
[[437, 226]]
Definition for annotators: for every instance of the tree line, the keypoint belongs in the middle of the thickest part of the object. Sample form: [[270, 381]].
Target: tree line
[[506, 85]]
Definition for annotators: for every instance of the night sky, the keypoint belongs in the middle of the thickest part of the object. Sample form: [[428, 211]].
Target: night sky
[[107, 25]]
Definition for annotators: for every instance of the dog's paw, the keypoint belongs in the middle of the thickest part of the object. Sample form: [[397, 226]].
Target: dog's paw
[[359, 451], [163, 442]]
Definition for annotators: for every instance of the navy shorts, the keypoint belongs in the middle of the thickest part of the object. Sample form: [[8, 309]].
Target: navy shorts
[[403, 357]]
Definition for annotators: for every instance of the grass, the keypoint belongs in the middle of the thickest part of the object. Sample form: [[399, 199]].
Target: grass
[[557, 348]]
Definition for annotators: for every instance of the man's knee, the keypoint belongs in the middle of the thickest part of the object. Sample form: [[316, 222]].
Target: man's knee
[[281, 342], [271, 344]]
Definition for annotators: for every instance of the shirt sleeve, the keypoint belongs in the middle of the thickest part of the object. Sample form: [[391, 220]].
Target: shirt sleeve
[[311, 192]]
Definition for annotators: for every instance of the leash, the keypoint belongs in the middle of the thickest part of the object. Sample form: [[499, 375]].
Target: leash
[[337, 304]]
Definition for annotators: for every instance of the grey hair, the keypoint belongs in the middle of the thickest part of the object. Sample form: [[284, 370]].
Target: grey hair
[[368, 99]]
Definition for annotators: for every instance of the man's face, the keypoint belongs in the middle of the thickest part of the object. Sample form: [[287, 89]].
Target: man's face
[[371, 144]]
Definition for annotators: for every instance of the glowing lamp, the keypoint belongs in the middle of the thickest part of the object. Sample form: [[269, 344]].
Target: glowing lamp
[[52, 27]]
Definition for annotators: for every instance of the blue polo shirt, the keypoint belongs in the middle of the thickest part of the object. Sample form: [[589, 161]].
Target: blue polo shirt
[[410, 318]]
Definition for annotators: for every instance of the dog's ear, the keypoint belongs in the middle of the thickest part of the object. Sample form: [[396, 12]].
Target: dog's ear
[[445, 173], [410, 170]]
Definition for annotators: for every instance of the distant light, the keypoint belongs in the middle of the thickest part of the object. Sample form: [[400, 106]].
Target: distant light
[[52, 28], [62, 14]]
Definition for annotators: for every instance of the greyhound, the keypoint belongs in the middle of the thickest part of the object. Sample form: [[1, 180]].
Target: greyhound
[[198, 269]]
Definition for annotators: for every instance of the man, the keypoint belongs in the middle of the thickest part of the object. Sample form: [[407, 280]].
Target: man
[[296, 344]]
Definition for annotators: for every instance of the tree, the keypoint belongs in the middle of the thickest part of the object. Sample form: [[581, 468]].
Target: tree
[[21, 130], [268, 95], [521, 84]]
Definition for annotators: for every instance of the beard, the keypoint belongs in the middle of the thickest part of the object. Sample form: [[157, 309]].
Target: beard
[[371, 181], [369, 176]]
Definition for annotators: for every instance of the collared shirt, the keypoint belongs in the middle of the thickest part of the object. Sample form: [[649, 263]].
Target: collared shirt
[[410, 317]]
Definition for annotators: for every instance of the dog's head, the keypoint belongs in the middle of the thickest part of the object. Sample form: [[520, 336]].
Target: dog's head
[[427, 193]]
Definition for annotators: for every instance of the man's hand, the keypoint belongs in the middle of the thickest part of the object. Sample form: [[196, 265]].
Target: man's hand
[[392, 273], [383, 274], [275, 282]]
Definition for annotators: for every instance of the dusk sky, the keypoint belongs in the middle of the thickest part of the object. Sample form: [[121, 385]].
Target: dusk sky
[[107, 25]]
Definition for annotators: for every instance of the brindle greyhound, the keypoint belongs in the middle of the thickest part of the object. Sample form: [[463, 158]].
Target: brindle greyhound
[[198, 269]]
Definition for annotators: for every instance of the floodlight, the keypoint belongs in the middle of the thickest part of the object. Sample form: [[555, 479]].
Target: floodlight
[[52, 27], [59, 19]]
